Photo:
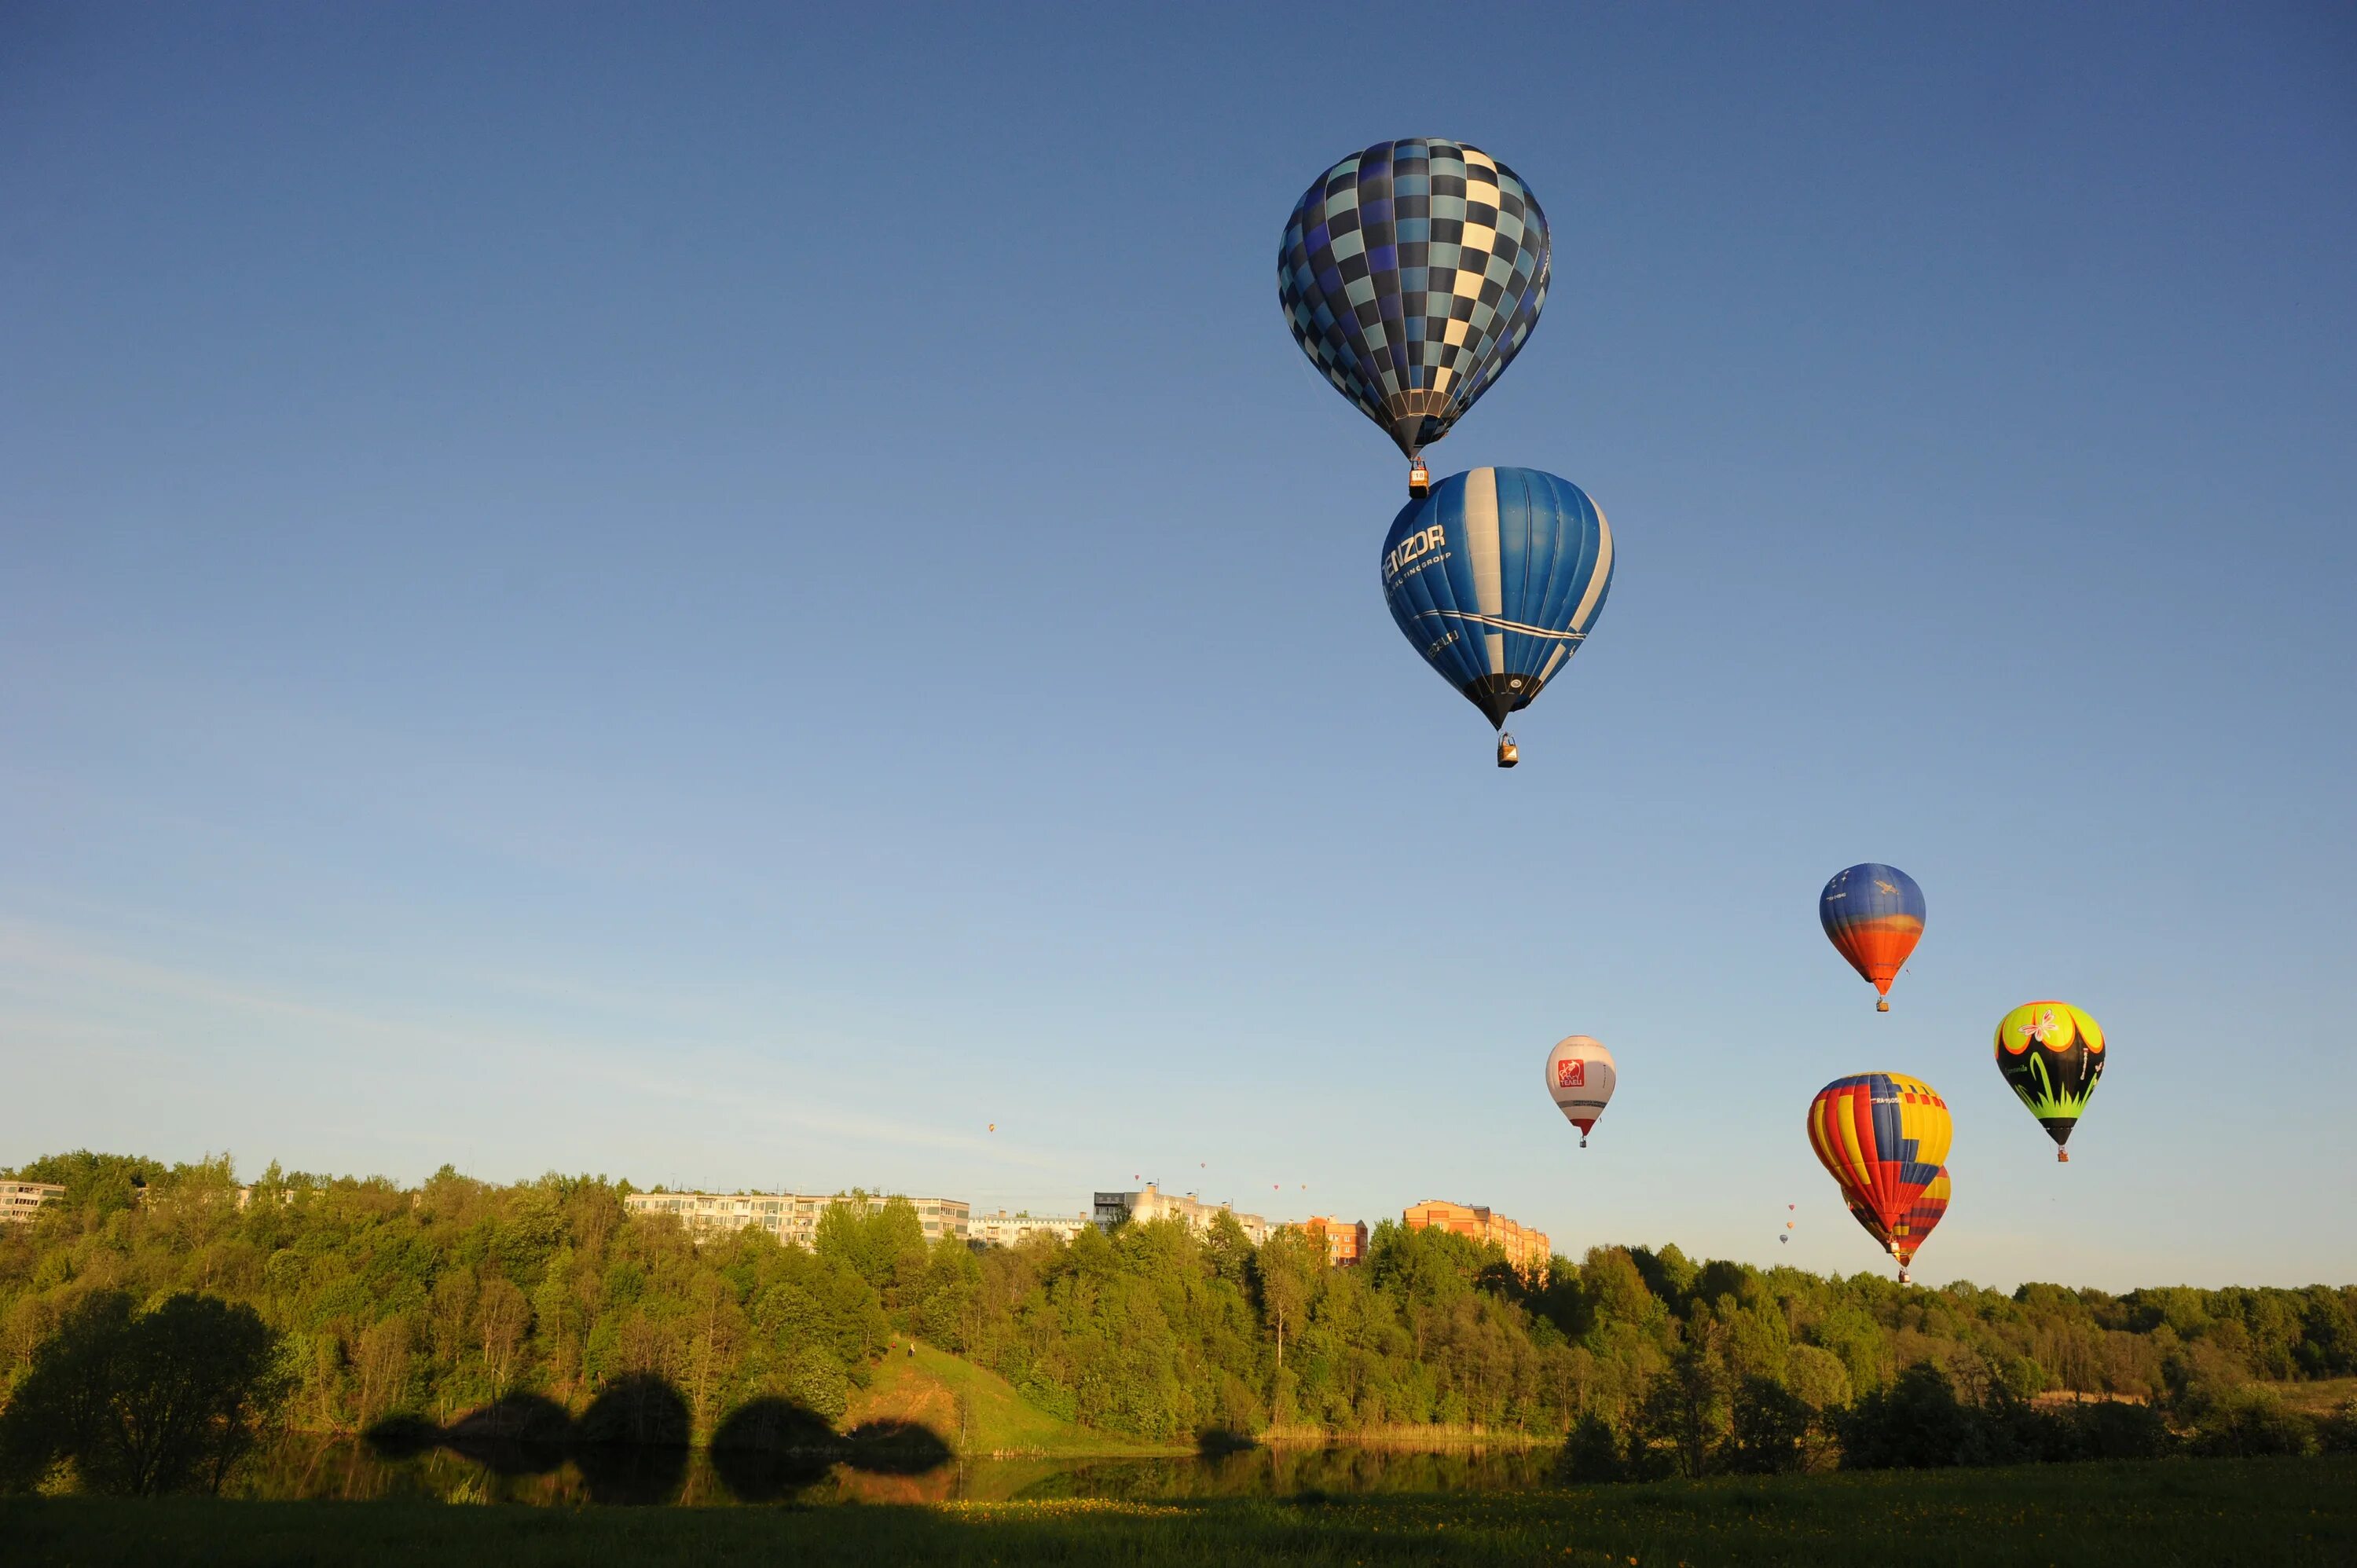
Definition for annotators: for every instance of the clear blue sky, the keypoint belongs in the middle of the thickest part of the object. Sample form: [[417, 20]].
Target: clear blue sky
[[728, 595]]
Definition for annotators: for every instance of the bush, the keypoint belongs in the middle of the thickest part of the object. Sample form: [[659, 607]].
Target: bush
[[139, 1403], [2337, 1432], [1591, 1453], [2115, 1429], [2251, 1422], [1915, 1424], [1771, 1425]]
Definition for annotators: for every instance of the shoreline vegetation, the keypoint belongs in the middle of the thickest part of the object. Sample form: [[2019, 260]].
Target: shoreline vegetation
[[467, 1318]]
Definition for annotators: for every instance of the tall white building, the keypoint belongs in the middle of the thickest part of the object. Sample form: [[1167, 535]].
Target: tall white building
[[788, 1216], [1113, 1207], [19, 1201]]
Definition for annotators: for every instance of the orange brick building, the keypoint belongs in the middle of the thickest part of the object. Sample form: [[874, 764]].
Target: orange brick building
[[1345, 1244], [1525, 1248]]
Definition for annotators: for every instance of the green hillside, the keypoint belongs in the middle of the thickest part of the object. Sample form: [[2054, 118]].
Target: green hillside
[[975, 1411]]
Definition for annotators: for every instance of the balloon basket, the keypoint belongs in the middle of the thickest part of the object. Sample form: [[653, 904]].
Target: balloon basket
[[2061, 1156], [1882, 1005], [1509, 753], [1903, 1279]]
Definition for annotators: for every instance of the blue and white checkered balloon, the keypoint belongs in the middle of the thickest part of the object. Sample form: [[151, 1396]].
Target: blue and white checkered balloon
[[1411, 275]]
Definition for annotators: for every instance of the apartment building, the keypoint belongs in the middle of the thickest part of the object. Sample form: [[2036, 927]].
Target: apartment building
[[788, 1216], [1525, 1248], [1151, 1204], [1346, 1243], [1004, 1230], [19, 1201]]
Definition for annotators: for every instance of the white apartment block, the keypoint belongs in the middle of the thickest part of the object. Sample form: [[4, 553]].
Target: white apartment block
[[788, 1216], [1113, 1208], [1004, 1230], [20, 1199]]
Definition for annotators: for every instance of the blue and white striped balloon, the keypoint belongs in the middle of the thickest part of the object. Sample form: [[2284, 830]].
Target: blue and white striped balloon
[[1496, 578]]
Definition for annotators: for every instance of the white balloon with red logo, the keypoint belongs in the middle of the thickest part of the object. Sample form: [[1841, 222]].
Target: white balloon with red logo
[[1579, 1075]]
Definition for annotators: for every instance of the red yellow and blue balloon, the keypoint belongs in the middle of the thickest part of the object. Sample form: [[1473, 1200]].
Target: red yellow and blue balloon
[[1926, 1213], [1883, 1137]]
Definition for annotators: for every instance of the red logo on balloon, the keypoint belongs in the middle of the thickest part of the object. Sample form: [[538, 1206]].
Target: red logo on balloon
[[1571, 1074]]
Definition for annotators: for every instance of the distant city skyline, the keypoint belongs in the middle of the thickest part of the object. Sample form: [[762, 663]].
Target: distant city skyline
[[764, 599]]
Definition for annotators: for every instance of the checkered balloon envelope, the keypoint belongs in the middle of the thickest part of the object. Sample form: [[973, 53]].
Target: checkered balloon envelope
[[1411, 275]]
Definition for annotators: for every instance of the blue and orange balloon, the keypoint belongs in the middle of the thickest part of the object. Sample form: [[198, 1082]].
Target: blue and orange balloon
[[1873, 914]]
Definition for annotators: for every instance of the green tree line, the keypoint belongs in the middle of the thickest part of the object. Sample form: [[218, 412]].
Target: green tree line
[[432, 1301]]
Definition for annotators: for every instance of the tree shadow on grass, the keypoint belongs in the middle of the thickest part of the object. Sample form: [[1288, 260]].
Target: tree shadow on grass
[[632, 1444], [521, 1435], [772, 1450], [895, 1448]]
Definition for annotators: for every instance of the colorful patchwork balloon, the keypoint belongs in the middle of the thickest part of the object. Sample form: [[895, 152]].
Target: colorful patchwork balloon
[[1922, 1218], [1411, 274], [1883, 1137], [2053, 1054], [1873, 914]]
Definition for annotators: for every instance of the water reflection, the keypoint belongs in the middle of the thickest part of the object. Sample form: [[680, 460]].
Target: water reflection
[[768, 1457]]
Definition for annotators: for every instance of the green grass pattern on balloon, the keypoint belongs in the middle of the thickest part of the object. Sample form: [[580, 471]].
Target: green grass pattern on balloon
[[2053, 1054]]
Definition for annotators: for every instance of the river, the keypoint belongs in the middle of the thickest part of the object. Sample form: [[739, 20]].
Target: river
[[573, 1475]]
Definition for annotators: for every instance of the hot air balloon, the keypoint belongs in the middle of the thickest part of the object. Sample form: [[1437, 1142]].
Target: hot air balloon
[[1921, 1217], [1874, 915], [1883, 1137], [1495, 578], [1411, 274], [2053, 1054], [1579, 1075]]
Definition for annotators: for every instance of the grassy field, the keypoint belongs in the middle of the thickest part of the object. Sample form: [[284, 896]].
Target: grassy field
[[2169, 1512], [2322, 1397]]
